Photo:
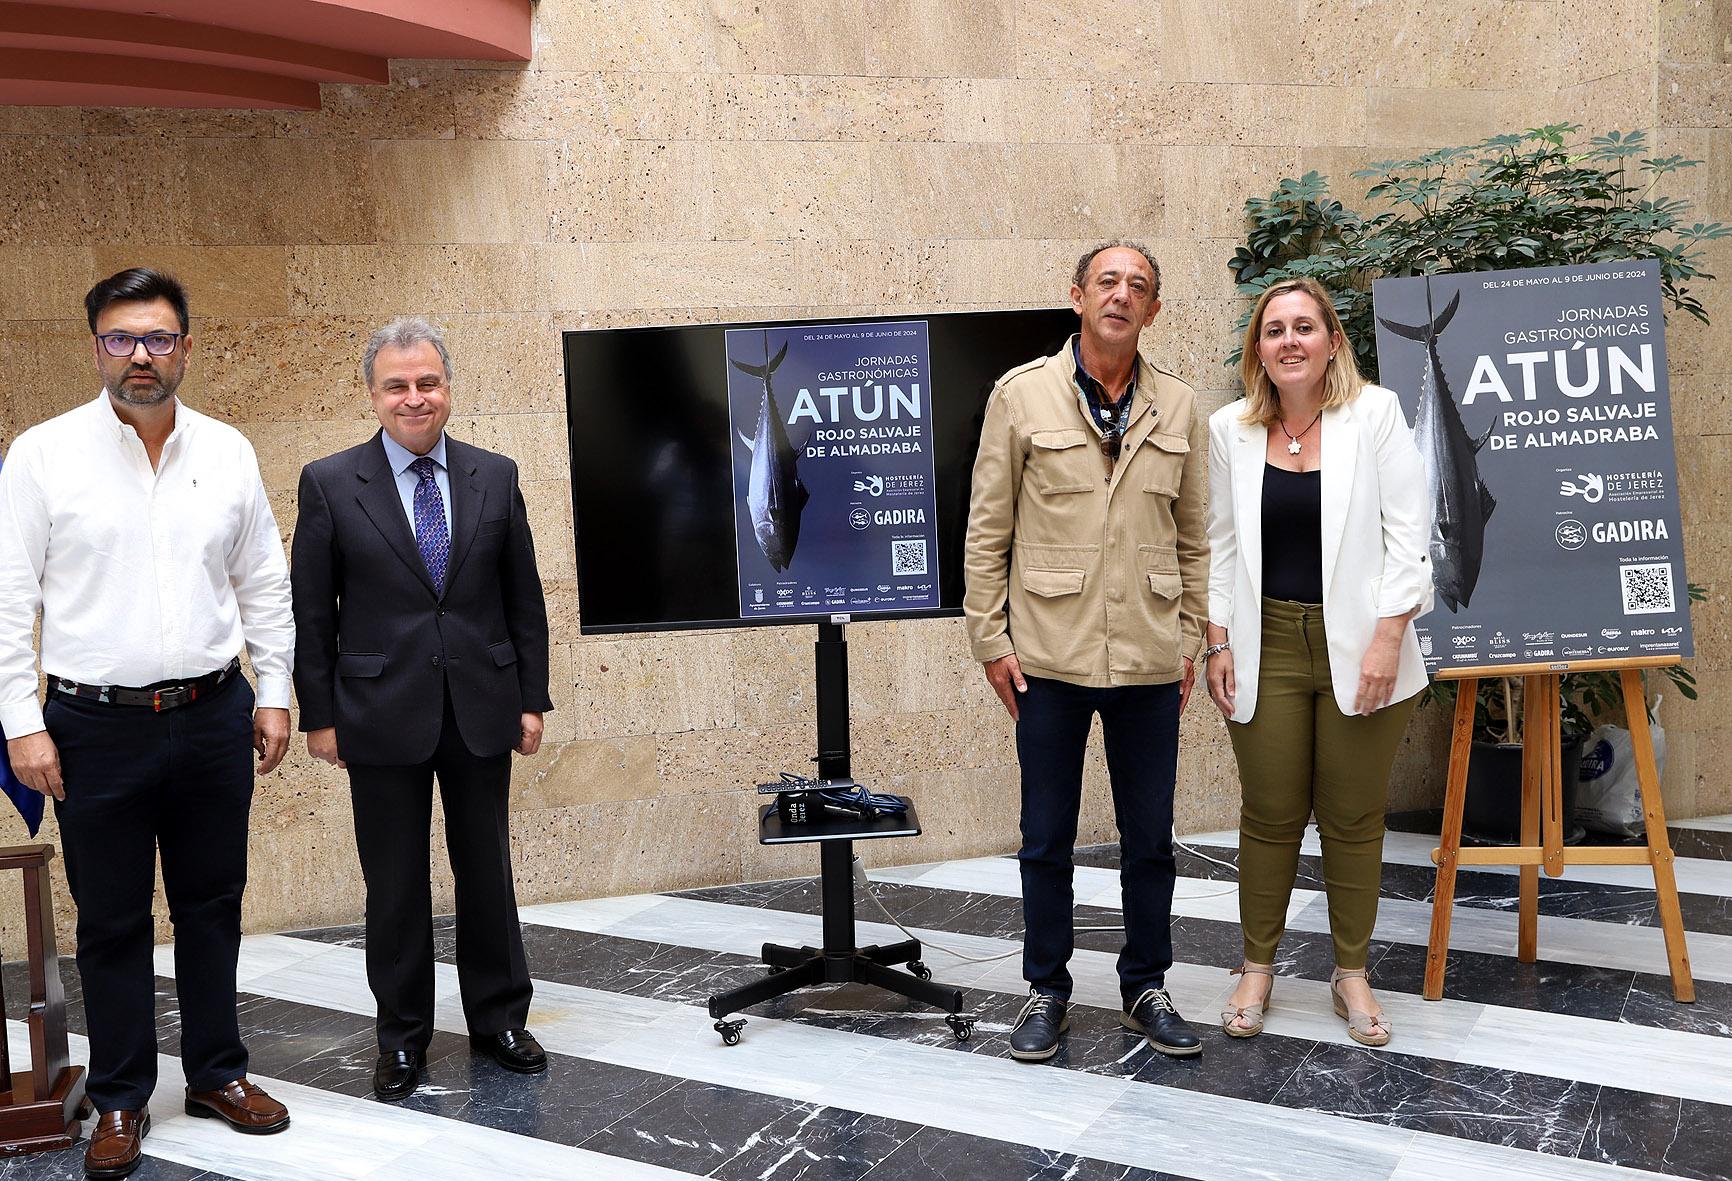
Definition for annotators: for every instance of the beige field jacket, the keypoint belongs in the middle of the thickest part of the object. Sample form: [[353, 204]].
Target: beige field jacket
[[1091, 572]]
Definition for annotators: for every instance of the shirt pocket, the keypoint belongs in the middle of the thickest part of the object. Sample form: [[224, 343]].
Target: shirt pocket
[[1165, 465], [1062, 462]]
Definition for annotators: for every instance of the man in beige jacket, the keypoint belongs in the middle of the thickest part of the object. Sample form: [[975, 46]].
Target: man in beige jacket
[[1087, 570]]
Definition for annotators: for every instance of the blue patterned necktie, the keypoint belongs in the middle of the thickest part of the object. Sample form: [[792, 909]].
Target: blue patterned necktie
[[431, 534]]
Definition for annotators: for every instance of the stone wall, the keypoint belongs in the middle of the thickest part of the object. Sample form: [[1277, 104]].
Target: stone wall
[[701, 160]]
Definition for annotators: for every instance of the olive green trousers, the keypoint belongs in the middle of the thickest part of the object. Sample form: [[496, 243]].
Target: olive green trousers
[[1299, 755]]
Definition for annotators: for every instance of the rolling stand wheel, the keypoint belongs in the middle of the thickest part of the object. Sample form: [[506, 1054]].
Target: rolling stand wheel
[[919, 970], [961, 1025], [730, 1031]]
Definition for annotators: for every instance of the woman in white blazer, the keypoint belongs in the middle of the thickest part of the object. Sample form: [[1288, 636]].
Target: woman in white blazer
[[1318, 528]]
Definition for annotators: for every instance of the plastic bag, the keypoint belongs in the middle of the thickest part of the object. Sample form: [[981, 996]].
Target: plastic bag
[[1608, 797]]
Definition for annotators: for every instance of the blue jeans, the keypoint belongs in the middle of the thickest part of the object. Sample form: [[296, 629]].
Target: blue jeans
[[1141, 726]]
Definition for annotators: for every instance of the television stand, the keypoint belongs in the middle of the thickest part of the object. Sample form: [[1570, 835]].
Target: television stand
[[839, 960]]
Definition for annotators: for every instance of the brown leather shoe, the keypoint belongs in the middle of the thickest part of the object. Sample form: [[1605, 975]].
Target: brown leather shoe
[[114, 1143], [242, 1106]]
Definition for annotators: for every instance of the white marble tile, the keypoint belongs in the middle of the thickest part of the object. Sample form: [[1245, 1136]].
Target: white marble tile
[[1634, 1057], [1444, 1158], [265, 953], [460, 1157], [1711, 823], [1199, 898], [1696, 875], [1209, 1137]]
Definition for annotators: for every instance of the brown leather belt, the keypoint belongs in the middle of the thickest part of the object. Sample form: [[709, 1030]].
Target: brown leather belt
[[167, 696]]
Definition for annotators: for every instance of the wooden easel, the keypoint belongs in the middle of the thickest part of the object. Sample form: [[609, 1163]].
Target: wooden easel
[[1542, 819]]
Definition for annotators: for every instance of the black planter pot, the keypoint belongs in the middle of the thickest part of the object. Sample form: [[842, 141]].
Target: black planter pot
[[1494, 791]]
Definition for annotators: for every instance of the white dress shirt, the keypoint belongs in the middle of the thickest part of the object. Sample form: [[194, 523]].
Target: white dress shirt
[[400, 457], [141, 576]]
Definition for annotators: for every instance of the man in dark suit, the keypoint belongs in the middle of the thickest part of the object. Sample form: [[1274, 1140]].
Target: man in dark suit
[[421, 653]]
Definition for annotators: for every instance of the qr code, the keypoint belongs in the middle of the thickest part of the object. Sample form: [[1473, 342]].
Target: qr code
[[1647, 589], [908, 557]]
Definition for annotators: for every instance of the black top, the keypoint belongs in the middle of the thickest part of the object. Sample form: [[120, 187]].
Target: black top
[[1292, 535]]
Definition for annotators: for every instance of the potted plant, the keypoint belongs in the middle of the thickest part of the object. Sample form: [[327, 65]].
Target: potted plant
[[1542, 197]]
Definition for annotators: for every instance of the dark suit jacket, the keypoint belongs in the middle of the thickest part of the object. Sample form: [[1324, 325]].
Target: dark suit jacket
[[375, 647]]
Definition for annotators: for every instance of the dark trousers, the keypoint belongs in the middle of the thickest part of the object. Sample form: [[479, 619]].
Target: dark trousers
[[393, 823], [1140, 724], [137, 780]]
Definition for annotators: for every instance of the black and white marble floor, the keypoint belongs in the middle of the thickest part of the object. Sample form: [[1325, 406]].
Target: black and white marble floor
[[1580, 1066]]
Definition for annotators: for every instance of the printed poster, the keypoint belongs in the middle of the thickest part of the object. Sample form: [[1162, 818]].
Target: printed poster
[[1540, 404], [835, 509]]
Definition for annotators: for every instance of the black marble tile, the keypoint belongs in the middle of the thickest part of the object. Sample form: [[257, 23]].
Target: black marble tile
[[663, 971], [863, 1009], [1577, 990], [1525, 1111], [934, 1154], [1677, 1137], [16, 981], [67, 1164], [573, 1100], [1710, 843], [1254, 1068], [723, 1132], [351, 935], [1650, 1003]]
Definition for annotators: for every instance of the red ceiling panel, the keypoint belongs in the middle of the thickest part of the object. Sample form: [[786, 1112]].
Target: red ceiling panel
[[236, 53]]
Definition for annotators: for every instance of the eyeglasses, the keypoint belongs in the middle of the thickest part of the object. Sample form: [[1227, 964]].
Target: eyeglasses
[[1110, 441], [124, 344]]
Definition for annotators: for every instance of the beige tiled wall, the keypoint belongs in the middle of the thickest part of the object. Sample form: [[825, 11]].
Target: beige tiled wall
[[702, 160]]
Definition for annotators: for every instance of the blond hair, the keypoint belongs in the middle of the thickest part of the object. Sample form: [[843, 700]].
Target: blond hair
[[1341, 381]]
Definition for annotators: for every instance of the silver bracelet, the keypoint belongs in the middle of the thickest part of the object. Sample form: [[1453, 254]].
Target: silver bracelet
[[1212, 649]]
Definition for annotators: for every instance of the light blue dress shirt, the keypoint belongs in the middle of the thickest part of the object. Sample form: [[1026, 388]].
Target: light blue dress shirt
[[400, 457]]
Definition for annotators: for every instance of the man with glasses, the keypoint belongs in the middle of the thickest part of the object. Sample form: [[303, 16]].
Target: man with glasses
[[1087, 570], [140, 531]]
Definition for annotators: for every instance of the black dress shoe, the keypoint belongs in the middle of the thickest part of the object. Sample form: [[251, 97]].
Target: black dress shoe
[[1154, 1017], [1035, 1036], [397, 1074], [514, 1049]]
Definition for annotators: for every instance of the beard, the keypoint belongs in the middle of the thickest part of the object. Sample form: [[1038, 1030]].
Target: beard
[[160, 389]]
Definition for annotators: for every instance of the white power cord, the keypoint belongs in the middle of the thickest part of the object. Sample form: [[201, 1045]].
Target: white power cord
[[871, 888]]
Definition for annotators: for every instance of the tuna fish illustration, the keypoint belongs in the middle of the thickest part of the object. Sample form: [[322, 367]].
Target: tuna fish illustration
[[774, 494], [1461, 504]]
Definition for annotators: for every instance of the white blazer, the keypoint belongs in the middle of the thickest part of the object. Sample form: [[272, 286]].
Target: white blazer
[[1376, 527]]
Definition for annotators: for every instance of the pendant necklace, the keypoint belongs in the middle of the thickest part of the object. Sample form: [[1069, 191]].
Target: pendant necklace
[[1293, 439]]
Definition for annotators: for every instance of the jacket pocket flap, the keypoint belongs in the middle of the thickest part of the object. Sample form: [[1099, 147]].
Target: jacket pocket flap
[[1164, 584], [1058, 440], [1051, 583], [503, 653], [360, 664], [1177, 444]]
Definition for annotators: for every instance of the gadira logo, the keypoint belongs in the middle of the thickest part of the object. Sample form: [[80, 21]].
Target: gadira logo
[[860, 519], [1572, 534]]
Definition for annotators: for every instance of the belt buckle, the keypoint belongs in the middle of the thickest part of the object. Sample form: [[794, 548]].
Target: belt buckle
[[161, 699]]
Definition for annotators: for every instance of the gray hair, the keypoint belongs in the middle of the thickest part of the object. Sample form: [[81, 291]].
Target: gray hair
[[1082, 264], [402, 333]]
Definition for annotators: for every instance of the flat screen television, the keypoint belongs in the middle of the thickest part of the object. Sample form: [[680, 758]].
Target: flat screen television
[[695, 506]]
